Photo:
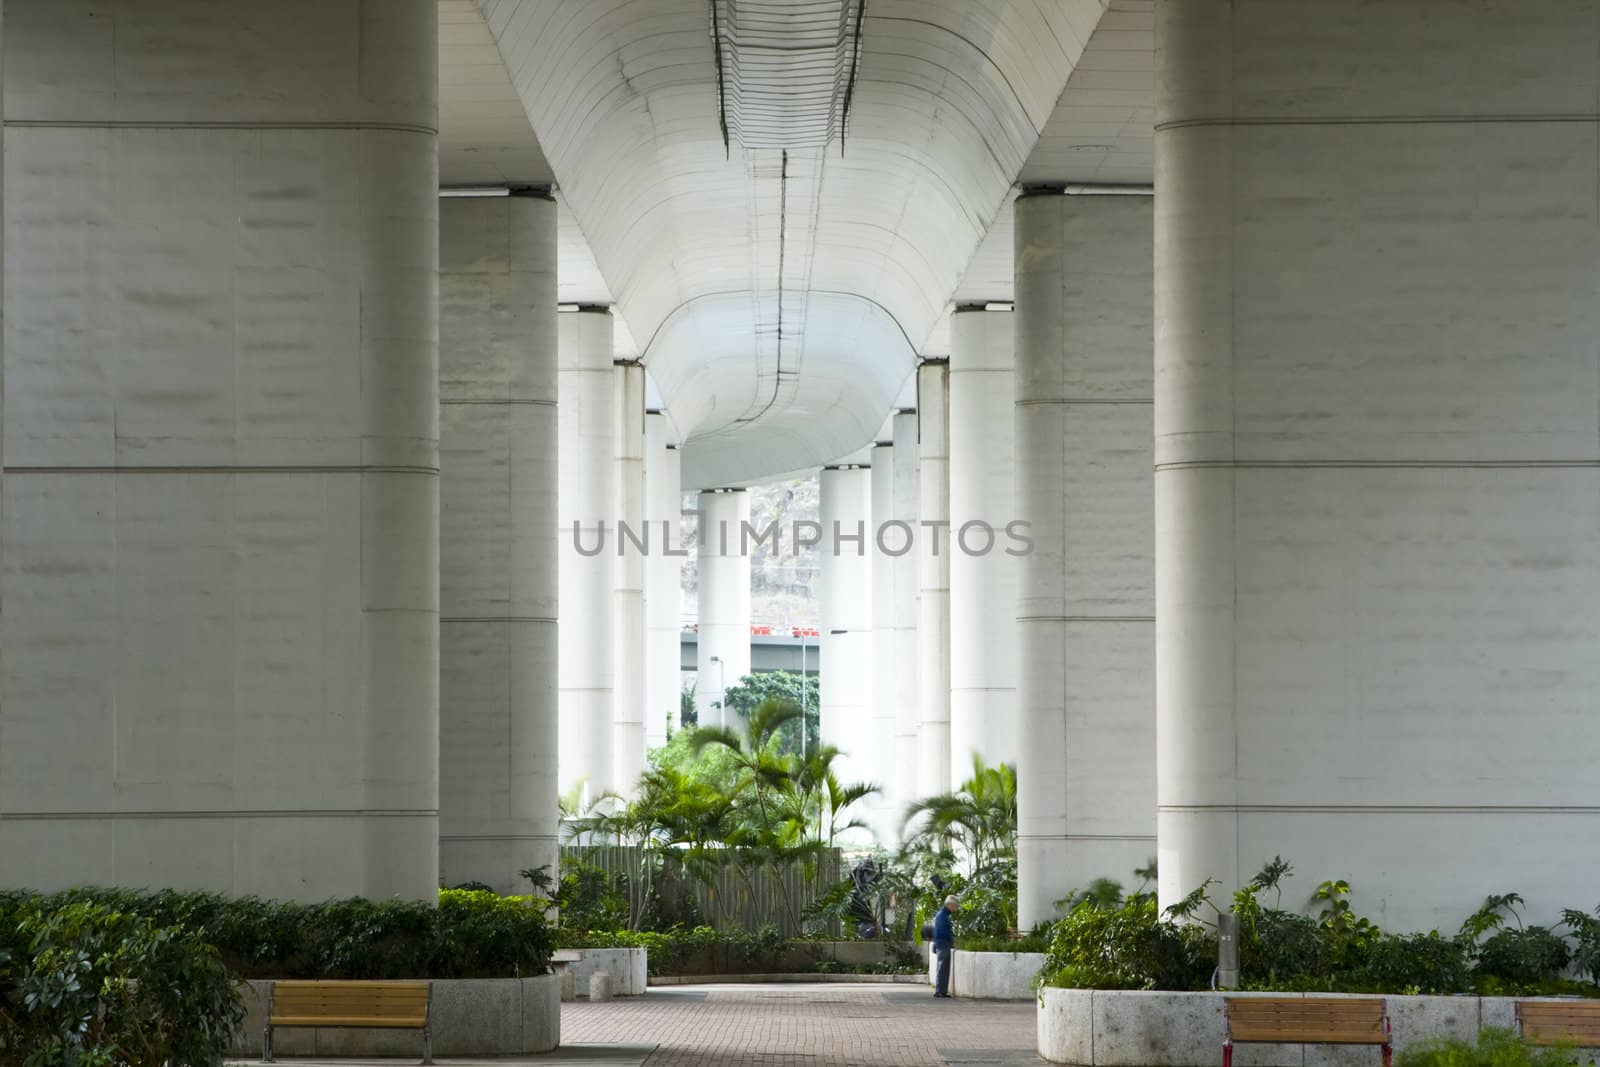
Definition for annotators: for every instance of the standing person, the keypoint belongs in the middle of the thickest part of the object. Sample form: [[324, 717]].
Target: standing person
[[944, 943]]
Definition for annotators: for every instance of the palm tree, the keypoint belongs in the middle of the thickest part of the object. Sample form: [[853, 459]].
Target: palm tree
[[777, 795], [979, 819]]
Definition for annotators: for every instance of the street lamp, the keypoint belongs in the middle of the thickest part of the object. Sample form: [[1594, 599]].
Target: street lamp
[[722, 697]]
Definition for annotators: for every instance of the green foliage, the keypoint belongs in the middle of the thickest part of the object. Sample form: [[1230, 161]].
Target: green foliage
[[989, 901], [1128, 946], [467, 934], [1586, 932], [1524, 957], [1037, 942], [1494, 1048], [1107, 940], [786, 687], [1413, 963], [978, 821], [87, 985], [716, 799], [688, 714], [701, 950]]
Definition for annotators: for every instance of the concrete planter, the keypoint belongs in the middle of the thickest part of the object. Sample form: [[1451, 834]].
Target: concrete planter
[[471, 1017], [1121, 1028], [628, 967], [990, 975], [994, 975]]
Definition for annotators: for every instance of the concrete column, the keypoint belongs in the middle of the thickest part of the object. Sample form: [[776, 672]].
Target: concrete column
[[497, 539], [902, 608], [1086, 610], [1377, 494], [844, 605], [983, 574], [663, 582], [587, 503], [628, 648], [221, 494], [723, 648], [888, 675], [933, 578]]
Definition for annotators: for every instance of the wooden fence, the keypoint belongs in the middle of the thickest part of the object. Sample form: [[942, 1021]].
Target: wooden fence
[[748, 899]]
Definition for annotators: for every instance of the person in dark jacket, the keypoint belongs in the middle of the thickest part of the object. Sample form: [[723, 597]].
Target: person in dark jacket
[[944, 943]]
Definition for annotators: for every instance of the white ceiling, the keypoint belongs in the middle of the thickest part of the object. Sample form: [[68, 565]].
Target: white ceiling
[[955, 100]]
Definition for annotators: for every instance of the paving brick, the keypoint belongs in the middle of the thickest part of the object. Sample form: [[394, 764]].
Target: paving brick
[[866, 1025]]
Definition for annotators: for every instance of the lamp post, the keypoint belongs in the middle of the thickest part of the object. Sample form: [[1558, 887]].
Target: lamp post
[[722, 695]]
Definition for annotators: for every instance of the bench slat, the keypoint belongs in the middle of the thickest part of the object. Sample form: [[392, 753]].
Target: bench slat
[[371, 1022], [1546, 1023], [1298, 1020], [398, 1004]]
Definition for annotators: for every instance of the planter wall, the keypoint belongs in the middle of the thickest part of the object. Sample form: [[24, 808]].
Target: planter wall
[[1119, 1028], [989, 975], [628, 967], [471, 1017], [994, 975]]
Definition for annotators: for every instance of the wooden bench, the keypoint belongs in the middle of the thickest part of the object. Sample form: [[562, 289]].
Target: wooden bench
[[365, 1005], [1305, 1021], [1559, 1022]]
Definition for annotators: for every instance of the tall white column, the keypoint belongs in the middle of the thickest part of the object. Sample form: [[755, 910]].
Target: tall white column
[[663, 582], [628, 644], [723, 647], [983, 571], [221, 512], [1377, 467], [497, 539], [587, 503], [933, 578], [844, 605], [1086, 611], [903, 615], [888, 674]]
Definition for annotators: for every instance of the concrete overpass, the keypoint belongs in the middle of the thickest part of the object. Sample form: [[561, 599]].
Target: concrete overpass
[[768, 652], [336, 329]]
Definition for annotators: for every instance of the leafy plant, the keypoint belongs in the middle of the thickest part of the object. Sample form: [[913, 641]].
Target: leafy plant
[[1494, 1048], [1524, 957], [786, 687], [1586, 932], [1128, 946], [84, 984]]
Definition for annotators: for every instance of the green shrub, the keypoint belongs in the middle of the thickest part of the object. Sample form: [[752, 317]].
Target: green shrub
[[1523, 957], [1128, 946], [1036, 942], [86, 985], [468, 934], [1586, 932], [1417, 963], [1494, 1048]]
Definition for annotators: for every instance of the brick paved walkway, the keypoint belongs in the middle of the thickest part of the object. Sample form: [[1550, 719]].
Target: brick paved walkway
[[867, 1025]]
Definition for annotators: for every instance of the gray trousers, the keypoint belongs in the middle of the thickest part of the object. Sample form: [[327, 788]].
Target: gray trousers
[[941, 980]]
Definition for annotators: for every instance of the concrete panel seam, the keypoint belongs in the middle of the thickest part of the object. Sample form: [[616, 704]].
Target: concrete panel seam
[[495, 618], [1067, 401], [1086, 618], [1388, 809], [303, 469], [498, 837], [1370, 120], [497, 401], [306, 813], [1375, 464], [170, 124]]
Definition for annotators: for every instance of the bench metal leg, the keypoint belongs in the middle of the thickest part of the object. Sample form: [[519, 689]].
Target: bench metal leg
[[266, 1044], [1227, 1054], [1388, 1055]]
